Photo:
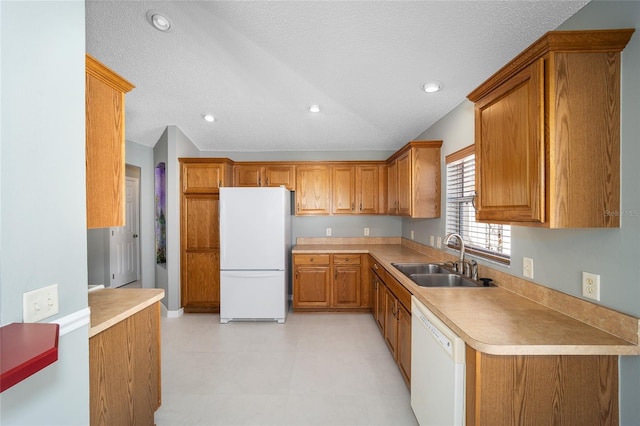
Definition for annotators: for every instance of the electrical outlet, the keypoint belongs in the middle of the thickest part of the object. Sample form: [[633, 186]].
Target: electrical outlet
[[591, 286], [527, 267], [439, 242], [432, 241], [412, 234], [40, 304], [366, 232], [328, 232]]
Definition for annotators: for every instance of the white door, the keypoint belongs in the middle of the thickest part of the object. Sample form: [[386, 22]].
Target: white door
[[124, 242]]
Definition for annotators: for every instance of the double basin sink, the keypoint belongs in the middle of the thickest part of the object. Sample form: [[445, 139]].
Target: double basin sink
[[434, 275]]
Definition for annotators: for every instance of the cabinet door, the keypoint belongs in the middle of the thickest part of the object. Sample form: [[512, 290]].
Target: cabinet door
[[510, 157], [343, 181], [404, 184], [313, 190], [392, 188], [200, 253], [200, 289], [104, 148], [346, 286], [391, 322], [201, 177], [277, 175], [247, 175], [311, 286], [367, 189], [404, 343], [379, 303]]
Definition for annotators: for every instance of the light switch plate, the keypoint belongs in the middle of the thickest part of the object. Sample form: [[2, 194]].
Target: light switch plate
[[40, 304]]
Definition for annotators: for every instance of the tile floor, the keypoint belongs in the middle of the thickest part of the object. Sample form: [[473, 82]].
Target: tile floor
[[316, 369]]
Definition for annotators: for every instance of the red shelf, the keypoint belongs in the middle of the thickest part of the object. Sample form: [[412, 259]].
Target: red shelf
[[26, 349]]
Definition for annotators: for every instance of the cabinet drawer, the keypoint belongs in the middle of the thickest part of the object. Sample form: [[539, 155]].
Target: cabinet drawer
[[346, 259], [311, 259]]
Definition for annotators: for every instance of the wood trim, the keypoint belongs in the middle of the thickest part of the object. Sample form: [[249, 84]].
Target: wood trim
[[460, 154], [554, 41], [106, 75]]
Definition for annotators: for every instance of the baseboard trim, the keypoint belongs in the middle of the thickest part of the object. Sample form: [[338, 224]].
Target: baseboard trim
[[171, 314]]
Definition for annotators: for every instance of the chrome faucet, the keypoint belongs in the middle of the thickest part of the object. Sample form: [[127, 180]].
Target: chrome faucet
[[460, 263], [463, 267]]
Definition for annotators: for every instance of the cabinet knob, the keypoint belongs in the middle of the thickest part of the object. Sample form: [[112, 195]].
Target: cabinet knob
[[353, 206], [267, 181], [375, 266], [311, 259], [259, 181]]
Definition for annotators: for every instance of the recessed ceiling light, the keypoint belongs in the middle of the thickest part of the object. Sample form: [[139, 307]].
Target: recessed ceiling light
[[208, 117], [159, 21], [432, 87], [314, 108]]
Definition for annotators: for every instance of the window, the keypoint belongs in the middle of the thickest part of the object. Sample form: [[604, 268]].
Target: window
[[491, 241]]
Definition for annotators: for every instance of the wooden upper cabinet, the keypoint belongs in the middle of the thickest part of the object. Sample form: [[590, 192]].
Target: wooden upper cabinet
[[510, 156], [343, 180], [413, 176], [105, 132], [205, 175], [280, 174], [368, 189], [547, 133], [404, 181], [264, 174], [247, 175], [392, 187], [313, 190]]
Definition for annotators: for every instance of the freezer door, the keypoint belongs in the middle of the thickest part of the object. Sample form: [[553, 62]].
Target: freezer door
[[253, 295], [254, 228]]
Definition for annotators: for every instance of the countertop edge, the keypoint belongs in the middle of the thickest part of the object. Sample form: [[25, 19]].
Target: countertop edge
[[156, 294], [629, 348]]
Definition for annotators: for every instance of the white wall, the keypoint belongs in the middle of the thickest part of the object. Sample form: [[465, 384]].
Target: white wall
[[42, 192], [561, 255]]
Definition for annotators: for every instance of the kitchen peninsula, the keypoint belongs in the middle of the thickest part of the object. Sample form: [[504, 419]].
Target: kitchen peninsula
[[124, 350], [526, 344]]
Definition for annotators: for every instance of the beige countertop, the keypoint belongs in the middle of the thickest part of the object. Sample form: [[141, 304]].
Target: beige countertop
[[495, 320], [109, 306]]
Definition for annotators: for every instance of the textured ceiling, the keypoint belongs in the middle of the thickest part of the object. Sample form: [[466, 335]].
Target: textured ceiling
[[257, 65]]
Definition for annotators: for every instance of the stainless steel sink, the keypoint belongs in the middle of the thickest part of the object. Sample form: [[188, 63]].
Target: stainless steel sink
[[420, 268], [443, 280]]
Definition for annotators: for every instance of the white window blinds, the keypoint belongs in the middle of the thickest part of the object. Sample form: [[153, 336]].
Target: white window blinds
[[492, 241]]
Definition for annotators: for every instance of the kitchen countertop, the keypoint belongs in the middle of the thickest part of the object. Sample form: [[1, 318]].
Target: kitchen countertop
[[109, 306], [494, 320]]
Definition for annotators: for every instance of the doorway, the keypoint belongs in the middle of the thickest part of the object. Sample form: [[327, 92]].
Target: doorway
[[124, 241]]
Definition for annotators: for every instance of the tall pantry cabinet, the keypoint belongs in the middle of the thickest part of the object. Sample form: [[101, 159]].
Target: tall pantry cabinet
[[199, 232]]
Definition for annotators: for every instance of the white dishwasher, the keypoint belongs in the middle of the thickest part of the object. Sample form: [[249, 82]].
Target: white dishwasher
[[437, 370]]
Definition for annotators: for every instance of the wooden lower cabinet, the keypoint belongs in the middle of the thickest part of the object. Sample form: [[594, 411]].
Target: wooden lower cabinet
[[403, 349], [390, 309], [311, 281], [330, 282], [391, 322], [541, 389], [124, 371], [347, 282], [377, 300]]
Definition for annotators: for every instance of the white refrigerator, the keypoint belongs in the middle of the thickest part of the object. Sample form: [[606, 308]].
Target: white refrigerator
[[255, 247]]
